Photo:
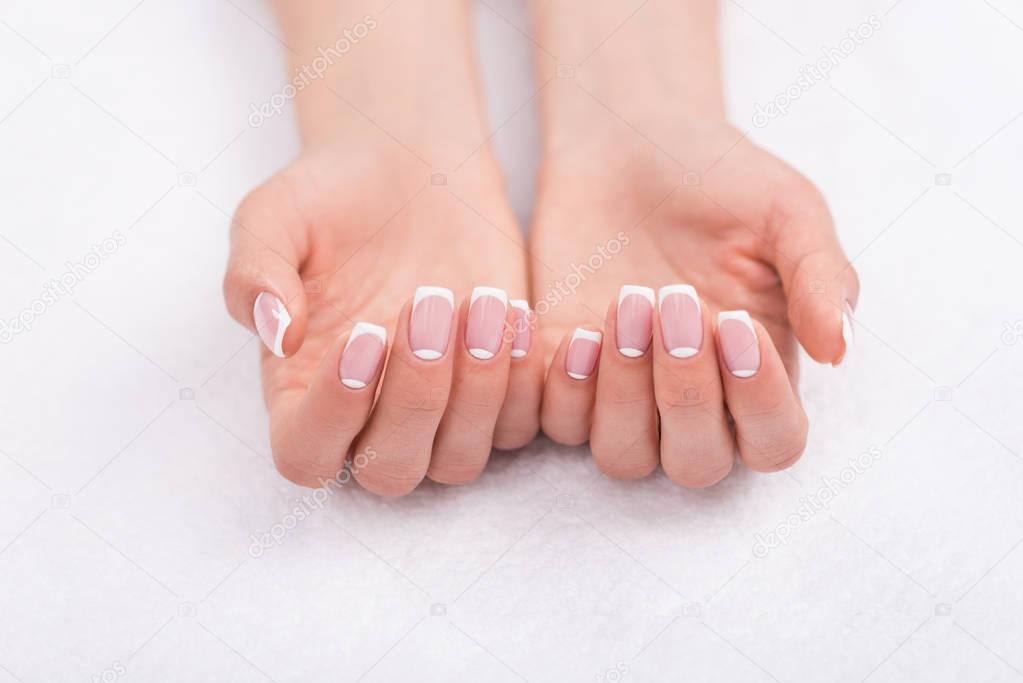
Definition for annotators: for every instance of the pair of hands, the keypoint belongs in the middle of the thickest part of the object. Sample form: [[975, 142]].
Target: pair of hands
[[345, 236]]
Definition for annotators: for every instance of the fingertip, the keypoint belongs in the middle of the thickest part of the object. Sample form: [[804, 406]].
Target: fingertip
[[825, 329], [262, 287], [518, 423], [570, 389], [822, 292], [770, 424], [269, 301]]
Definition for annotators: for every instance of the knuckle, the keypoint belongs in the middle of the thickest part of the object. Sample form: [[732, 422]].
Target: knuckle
[[565, 435], [390, 482], [625, 394], [767, 414], [798, 193], [698, 472], [240, 275], [419, 400], [299, 469], [457, 469], [512, 438], [300, 460], [776, 453], [635, 462], [562, 430], [250, 208], [688, 401], [773, 439], [626, 470], [272, 196]]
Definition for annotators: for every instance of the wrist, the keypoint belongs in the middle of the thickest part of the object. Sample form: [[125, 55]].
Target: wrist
[[405, 75], [658, 68]]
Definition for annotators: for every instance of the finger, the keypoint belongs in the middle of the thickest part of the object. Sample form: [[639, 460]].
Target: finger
[[697, 447], [624, 438], [466, 432], [312, 435], [399, 436], [770, 425], [567, 409], [820, 283], [519, 419], [262, 287]]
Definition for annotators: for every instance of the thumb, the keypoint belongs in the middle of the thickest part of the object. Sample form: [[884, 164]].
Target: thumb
[[262, 287], [820, 283]]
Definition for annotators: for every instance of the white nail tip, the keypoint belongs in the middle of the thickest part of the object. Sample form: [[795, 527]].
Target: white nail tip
[[684, 352], [576, 375], [428, 354], [744, 318], [482, 354], [518, 353], [644, 292], [283, 321], [367, 328], [520, 304], [589, 335], [353, 383], [848, 334], [687, 290], [426, 291], [498, 294], [631, 353], [741, 316]]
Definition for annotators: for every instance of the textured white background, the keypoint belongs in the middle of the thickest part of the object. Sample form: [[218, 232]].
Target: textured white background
[[127, 509]]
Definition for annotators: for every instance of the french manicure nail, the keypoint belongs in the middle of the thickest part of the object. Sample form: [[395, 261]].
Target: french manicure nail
[[272, 320], [484, 326], [583, 350], [361, 357], [681, 320], [523, 335], [848, 331], [739, 344], [635, 320], [432, 308]]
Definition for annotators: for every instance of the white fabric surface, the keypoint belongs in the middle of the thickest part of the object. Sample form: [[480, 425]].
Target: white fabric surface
[[135, 471]]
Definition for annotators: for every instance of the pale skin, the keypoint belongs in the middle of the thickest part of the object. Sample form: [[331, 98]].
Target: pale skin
[[351, 229]]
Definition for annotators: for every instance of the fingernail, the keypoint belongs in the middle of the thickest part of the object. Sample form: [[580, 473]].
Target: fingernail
[[739, 343], [635, 320], [484, 326], [848, 332], [582, 354], [523, 335], [681, 320], [272, 320], [430, 327], [361, 357]]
